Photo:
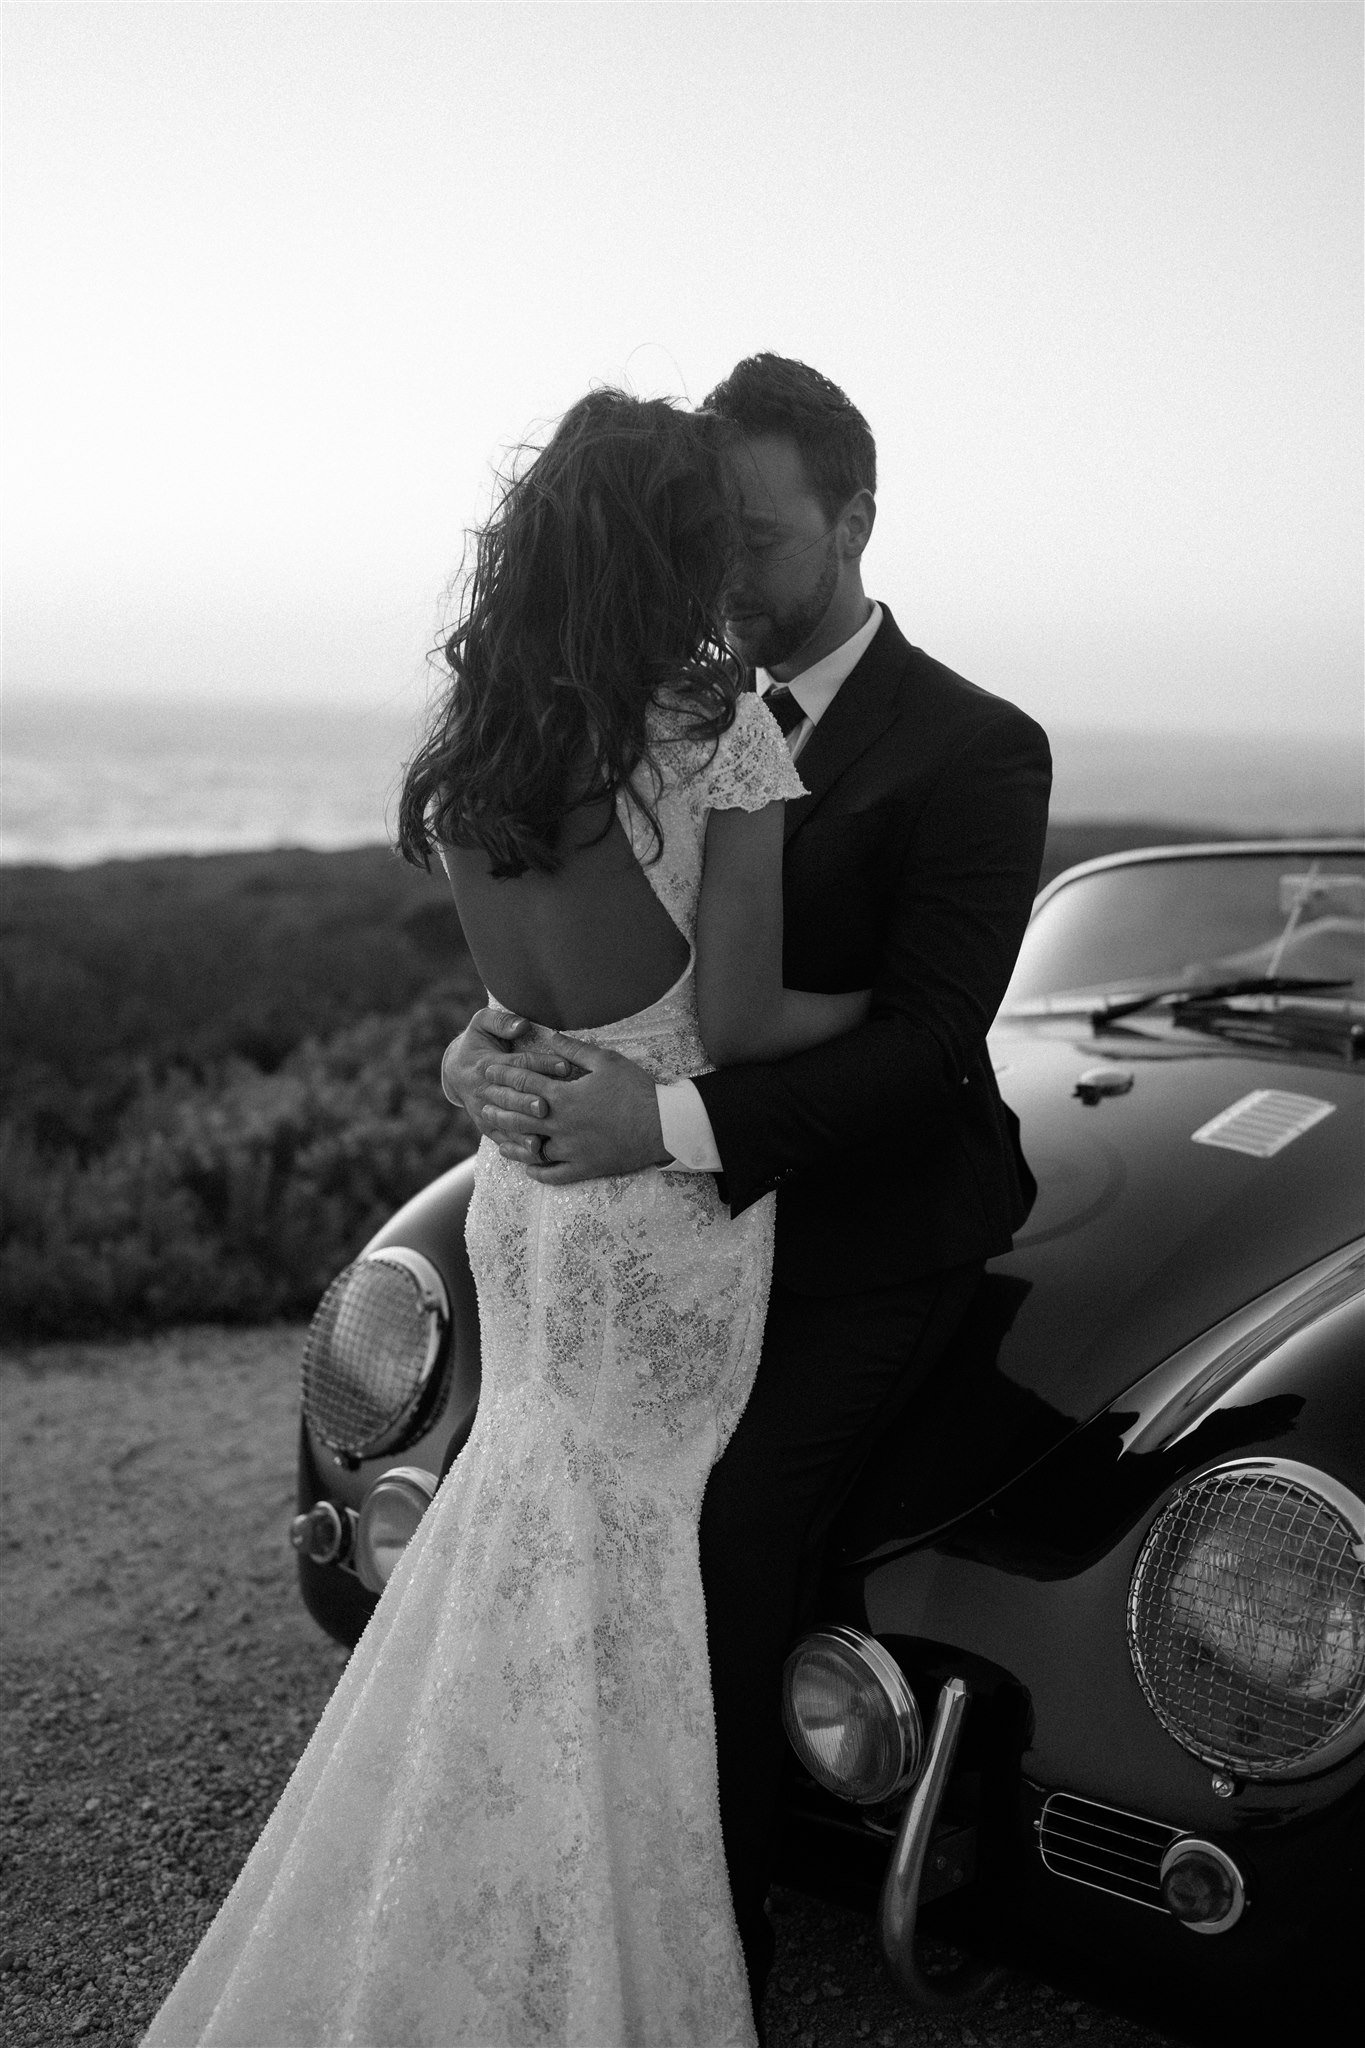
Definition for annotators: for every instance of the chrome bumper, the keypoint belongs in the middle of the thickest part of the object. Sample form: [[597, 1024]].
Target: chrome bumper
[[899, 1907]]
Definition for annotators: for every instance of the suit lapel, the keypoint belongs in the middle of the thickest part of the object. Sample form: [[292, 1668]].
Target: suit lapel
[[866, 704]]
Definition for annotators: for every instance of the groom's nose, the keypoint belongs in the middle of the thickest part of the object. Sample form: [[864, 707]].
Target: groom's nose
[[739, 596]]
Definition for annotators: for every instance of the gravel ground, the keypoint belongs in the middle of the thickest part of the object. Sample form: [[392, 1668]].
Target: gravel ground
[[160, 1678]]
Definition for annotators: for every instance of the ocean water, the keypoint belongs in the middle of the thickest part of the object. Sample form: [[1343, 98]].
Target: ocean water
[[86, 781]]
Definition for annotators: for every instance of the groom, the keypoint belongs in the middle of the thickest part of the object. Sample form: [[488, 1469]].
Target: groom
[[910, 867]]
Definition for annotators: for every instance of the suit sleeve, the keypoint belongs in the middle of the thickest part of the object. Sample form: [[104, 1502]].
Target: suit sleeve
[[962, 899]]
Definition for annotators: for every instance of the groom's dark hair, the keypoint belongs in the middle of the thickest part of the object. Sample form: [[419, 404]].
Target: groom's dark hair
[[768, 394]]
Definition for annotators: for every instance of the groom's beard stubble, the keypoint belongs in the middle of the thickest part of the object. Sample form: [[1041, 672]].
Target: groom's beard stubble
[[778, 636]]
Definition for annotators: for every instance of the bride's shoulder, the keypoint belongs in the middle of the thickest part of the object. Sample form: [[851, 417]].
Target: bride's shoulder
[[674, 718], [752, 766], [681, 737], [754, 724], [743, 767]]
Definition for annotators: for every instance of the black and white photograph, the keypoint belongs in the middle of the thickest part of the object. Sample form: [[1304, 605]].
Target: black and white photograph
[[682, 936]]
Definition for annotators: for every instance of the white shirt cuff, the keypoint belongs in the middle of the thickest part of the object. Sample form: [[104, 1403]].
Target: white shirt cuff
[[686, 1127]]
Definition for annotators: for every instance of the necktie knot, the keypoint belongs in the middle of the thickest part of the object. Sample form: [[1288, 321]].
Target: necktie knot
[[784, 707]]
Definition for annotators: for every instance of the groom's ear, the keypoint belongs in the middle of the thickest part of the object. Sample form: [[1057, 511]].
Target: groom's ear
[[855, 524]]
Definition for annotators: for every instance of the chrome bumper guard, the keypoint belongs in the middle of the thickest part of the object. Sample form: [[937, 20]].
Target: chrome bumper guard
[[899, 1907]]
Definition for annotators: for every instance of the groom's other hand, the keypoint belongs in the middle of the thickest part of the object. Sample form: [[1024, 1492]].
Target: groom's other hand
[[565, 1110]]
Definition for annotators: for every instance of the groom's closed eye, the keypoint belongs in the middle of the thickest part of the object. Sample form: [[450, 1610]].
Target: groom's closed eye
[[777, 543]]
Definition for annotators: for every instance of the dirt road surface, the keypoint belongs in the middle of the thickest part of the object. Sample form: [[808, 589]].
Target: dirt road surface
[[160, 1677]]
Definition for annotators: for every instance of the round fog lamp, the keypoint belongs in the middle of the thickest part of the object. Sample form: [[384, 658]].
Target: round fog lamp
[[393, 1507], [1202, 1887], [320, 1534], [851, 1717]]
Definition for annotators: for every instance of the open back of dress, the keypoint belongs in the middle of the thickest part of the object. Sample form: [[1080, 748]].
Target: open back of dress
[[587, 945]]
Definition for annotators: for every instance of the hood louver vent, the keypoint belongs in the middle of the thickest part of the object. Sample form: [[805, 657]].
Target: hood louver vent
[[1263, 1123]]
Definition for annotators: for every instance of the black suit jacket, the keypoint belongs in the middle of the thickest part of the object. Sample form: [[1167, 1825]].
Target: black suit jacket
[[910, 867]]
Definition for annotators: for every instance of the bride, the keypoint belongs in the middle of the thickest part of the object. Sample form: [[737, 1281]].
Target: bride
[[505, 1828]]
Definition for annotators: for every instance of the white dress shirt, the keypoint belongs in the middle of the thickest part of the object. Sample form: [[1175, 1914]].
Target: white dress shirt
[[686, 1127]]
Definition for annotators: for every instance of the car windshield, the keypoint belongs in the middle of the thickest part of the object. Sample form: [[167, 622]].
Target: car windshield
[[1189, 923]]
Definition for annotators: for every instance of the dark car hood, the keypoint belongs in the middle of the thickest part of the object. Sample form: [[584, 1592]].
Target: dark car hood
[[1140, 1240]]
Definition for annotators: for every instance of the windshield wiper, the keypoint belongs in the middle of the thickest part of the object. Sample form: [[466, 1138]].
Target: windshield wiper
[[1215, 992]]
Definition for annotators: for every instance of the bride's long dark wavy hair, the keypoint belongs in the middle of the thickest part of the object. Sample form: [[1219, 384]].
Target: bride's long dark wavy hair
[[595, 591]]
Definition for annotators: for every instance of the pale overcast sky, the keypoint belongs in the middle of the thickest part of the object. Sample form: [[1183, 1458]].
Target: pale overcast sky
[[284, 279]]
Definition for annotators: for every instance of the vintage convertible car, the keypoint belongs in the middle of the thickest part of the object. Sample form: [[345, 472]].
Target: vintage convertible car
[[1088, 1653]]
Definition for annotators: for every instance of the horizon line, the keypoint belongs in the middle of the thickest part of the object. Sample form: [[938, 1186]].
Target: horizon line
[[21, 700]]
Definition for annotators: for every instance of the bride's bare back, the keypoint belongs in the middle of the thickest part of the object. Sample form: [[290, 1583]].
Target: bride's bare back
[[593, 944], [585, 946]]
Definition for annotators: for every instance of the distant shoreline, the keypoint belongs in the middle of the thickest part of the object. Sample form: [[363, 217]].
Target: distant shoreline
[[1080, 837]]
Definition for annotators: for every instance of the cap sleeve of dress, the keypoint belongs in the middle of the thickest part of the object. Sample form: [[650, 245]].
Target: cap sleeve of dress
[[751, 766]]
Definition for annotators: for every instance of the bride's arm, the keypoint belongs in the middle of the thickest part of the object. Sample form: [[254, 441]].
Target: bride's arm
[[746, 1013]]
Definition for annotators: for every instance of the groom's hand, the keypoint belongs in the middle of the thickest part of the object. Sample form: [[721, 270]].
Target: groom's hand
[[565, 1110], [601, 1118], [494, 1042]]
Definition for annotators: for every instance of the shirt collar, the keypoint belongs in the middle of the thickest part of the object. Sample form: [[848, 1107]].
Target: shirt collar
[[816, 687]]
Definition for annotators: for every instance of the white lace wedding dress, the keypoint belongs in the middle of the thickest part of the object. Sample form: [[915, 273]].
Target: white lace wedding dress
[[505, 1828]]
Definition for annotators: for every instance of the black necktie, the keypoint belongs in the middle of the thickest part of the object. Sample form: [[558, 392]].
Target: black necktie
[[784, 707]]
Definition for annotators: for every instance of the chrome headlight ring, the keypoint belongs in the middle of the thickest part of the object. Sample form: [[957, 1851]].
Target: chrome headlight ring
[[1246, 1618], [851, 1717], [392, 1508]]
